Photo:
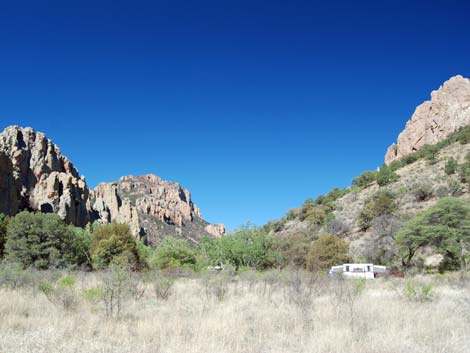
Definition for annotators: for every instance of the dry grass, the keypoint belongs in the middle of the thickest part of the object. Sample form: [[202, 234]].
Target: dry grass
[[272, 314]]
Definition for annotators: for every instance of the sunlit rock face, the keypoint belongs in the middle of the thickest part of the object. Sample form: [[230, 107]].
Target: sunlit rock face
[[35, 175], [434, 120]]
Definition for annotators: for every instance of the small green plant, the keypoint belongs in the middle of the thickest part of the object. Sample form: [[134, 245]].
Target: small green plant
[[62, 293], [417, 292], [93, 295], [451, 166]]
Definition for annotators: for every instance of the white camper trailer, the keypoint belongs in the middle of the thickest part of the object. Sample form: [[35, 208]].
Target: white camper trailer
[[367, 271]]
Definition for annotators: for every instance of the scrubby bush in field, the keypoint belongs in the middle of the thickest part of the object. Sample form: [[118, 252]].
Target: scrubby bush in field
[[61, 293], [42, 241], [163, 286], [247, 247], [174, 253], [328, 250], [117, 289], [114, 244], [382, 203], [418, 292], [444, 226]]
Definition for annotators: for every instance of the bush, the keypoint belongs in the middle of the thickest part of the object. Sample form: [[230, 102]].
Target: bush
[[386, 176], [163, 287], [382, 203], [418, 292], [41, 240], [312, 213], [328, 250], [422, 191], [62, 293], [114, 244], [117, 289], [365, 179], [174, 253], [451, 166], [294, 249]]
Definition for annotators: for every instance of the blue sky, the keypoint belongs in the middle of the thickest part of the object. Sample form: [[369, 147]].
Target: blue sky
[[254, 106]]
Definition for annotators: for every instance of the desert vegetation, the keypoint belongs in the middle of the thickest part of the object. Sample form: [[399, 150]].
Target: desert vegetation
[[118, 310]]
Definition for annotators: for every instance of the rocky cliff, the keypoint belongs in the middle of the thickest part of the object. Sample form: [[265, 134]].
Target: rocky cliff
[[154, 208], [434, 120], [34, 175]]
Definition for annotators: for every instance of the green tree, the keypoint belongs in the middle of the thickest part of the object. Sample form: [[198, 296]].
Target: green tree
[[175, 253], [3, 233], [445, 226], [451, 166], [247, 247], [40, 240], [328, 250], [114, 244]]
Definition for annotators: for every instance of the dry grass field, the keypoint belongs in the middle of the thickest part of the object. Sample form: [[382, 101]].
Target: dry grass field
[[271, 312]]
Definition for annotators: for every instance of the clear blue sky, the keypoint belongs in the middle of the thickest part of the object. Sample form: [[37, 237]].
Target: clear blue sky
[[254, 106]]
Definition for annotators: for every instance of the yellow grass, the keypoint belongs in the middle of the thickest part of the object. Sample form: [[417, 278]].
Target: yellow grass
[[252, 317]]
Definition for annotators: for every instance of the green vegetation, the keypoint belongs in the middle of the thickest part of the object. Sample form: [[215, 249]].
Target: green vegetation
[[174, 253], [386, 176], [114, 244], [451, 166], [381, 204], [365, 179], [445, 227], [247, 247], [326, 251], [42, 241]]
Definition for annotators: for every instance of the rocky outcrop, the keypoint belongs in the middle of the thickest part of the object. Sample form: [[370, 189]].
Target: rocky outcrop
[[35, 175], [217, 230], [434, 120], [153, 207]]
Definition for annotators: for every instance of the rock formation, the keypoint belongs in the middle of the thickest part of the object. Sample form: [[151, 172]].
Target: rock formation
[[154, 208], [34, 175], [434, 120]]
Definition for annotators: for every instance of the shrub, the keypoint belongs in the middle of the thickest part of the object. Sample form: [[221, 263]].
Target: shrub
[[163, 287], [365, 179], [451, 166], [93, 295], [328, 250], [62, 293], [422, 191], [294, 248], [174, 253], [455, 188], [418, 292], [386, 176], [312, 213], [116, 288], [40, 240], [114, 244], [382, 203], [464, 135]]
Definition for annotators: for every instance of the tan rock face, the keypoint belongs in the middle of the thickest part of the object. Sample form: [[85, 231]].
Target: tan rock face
[[434, 120], [39, 177], [216, 230], [154, 208]]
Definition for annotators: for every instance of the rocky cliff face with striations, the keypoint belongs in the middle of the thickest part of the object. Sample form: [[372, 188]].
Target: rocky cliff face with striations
[[154, 208], [34, 175], [434, 120]]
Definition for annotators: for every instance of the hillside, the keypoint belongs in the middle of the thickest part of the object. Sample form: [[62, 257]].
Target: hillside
[[370, 212]]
